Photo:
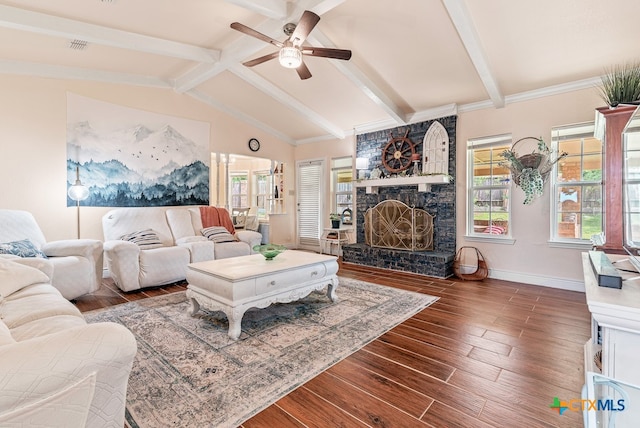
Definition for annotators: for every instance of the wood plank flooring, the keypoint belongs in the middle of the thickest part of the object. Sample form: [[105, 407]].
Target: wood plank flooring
[[486, 354]]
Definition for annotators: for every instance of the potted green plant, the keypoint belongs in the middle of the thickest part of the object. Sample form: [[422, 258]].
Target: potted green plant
[[530, 166], [335, 220], [621, 85]]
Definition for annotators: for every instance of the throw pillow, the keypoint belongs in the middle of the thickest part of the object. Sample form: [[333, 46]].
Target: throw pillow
[[23, 248], [218, 234], [146, 239], [15, 276]]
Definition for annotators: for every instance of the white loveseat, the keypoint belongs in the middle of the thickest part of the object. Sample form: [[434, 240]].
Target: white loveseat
[[186, 225], [178, 230], [55, 369], [77, 263]]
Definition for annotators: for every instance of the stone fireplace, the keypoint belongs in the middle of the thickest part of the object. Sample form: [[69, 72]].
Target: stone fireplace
[[437, 200]]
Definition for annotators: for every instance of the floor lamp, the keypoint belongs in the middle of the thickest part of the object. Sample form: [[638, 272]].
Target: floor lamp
[[78, 192]]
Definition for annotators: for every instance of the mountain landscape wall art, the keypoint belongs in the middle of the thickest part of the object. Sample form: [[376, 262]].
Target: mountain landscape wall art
[[133, 158]]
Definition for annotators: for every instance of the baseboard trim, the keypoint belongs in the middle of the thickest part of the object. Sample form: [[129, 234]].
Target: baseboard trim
[[545, 281]]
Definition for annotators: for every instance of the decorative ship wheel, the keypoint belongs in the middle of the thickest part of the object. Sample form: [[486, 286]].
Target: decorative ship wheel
[[397, 155]]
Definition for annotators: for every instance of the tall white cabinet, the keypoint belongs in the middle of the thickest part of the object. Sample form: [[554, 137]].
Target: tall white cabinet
[[615, 320]]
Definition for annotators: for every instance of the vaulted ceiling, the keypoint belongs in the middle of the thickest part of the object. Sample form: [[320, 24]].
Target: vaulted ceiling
[[412, 59]]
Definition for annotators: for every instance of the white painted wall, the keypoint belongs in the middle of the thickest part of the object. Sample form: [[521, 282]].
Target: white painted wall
[[33, 143], [33, 163]]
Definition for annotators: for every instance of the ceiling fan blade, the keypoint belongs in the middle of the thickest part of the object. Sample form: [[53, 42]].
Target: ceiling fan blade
[[251, 32], [344, 54], [261, 59], [304, 27], [303, 71]]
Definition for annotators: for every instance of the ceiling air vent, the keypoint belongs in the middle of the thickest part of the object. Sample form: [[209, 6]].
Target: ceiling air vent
[[78, 45]]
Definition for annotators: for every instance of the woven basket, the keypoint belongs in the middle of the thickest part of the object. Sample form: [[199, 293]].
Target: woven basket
[[530, 159], [462, 270]]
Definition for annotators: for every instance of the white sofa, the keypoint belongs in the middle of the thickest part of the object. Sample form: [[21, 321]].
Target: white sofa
[[181, 242], [186, 224], [77, 263], [55, 369]]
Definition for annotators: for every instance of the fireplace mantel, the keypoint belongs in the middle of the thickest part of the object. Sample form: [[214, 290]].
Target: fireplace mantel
[[423, 182]]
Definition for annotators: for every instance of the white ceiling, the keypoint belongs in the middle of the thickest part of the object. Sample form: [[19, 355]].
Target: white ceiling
[[412, 59]]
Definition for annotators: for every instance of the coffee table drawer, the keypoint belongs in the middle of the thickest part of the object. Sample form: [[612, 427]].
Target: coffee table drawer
[[279, 281]]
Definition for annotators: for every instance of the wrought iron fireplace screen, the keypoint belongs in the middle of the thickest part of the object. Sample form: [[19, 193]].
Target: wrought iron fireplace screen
[[393, 224]]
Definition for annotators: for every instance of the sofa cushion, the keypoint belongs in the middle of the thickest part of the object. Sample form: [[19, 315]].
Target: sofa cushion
[[15, 276], [218, 234], [35, 302], [146, 239], [122, 221], [163, 266], [224, 250], [180, 222], [22, 248], [44, 326], [17, 225]]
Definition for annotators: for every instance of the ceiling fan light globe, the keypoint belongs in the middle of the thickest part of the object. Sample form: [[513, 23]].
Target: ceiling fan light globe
[[290, 57]]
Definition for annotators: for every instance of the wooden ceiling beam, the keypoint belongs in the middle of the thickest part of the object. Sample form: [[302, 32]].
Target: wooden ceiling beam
[[461, 19]]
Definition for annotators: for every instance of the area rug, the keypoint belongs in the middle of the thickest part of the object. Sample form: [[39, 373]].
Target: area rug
[[188, 373]]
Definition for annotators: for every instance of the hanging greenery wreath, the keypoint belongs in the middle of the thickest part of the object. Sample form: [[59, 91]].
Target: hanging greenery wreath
[[530, 164]]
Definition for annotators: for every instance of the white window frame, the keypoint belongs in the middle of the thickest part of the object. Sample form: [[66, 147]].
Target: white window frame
[[558, 134], [233, 174], [631, 179], [484, 143], [262, 212], [335, 170]]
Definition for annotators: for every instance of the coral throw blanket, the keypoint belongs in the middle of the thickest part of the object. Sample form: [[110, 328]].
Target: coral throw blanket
[[214, 216]]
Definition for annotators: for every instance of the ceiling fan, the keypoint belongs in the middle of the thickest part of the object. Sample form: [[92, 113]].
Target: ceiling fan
[[292, 50]]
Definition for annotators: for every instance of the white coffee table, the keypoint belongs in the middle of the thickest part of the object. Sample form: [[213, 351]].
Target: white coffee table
[[236, 284]]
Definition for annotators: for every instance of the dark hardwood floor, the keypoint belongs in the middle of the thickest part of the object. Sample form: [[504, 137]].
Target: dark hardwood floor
[[486, 354]]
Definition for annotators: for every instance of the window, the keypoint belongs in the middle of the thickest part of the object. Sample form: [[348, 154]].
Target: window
[[341, 184], [631, 178], [577, 184], [239, 190], [261, 192], [489, 188]]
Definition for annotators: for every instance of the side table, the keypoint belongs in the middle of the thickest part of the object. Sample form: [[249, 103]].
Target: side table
[[337, 237]]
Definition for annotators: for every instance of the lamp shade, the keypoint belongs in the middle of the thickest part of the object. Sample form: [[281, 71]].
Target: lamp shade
[[362, 163], [78, 192], [290, 57]]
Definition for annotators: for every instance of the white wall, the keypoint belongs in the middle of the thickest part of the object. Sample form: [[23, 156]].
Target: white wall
[[33, 163], [33, 143], [530, 259]]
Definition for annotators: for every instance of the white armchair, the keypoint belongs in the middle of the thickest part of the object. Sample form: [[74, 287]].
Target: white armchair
[[77, 263]]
